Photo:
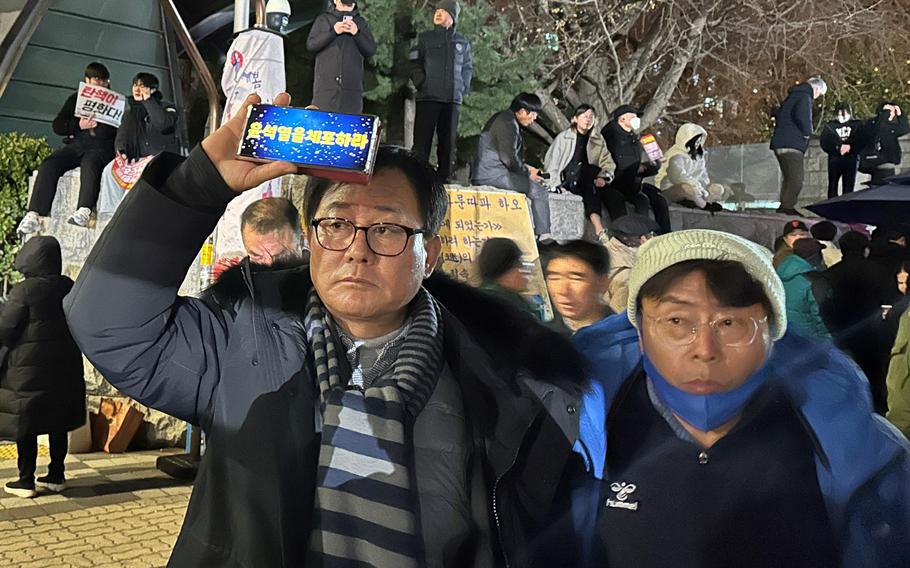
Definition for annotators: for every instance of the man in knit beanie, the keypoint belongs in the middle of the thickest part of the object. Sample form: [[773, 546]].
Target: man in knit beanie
[[720, 438], [441, 70]]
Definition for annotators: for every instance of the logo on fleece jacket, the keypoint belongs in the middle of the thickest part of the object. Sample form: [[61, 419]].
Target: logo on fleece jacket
[[621, 500]]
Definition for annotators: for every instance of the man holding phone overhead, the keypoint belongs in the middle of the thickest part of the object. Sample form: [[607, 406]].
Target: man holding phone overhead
[[341, 40], [358, 411]]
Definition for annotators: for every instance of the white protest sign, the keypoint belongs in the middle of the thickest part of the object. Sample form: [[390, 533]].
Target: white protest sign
[[103, 105]]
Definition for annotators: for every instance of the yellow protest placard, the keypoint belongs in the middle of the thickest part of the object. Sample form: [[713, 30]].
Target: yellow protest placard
[[475, 216]]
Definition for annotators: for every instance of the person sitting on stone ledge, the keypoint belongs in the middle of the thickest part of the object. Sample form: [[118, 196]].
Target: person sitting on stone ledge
[[499, 162], [578, 161], [89, 146], [683, 175], [149, 127], [632, 167]]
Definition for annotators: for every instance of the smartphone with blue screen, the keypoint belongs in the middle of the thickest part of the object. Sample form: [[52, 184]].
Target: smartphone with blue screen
[[325, 144]]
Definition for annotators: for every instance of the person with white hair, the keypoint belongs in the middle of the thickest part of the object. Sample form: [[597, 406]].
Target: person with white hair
[[792, 128]]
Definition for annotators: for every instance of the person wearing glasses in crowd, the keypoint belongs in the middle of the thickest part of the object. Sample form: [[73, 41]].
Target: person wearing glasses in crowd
[[714, 439], [340, 398]]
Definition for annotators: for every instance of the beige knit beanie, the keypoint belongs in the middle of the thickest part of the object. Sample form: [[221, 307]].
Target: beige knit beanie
[[702, 244]]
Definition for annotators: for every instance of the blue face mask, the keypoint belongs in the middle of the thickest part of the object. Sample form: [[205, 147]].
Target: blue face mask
[[705, 411]]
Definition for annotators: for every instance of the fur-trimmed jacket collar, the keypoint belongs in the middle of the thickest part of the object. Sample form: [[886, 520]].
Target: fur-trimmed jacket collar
[[513, 342]]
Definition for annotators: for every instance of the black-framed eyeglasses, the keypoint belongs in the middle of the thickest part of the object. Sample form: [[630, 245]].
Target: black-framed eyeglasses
[[384, 239]]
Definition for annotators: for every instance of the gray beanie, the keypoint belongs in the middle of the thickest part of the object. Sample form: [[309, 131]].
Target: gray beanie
[[450, 6], [702, 244]]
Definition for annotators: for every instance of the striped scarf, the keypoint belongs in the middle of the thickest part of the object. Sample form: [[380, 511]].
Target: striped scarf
[[365, 505]]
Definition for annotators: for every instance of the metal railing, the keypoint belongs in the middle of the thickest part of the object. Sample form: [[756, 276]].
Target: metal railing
[[183, 34], [16, 39]]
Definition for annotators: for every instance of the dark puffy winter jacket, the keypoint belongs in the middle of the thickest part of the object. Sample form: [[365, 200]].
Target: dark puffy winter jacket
[[148, 128], [442, 66], [41, 383], [338, 79], [881, 144], [238, 365], [793, 120], [66, 124]]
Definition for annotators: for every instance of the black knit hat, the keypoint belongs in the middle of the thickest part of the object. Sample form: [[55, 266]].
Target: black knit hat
[[450, 6], [623, 109]]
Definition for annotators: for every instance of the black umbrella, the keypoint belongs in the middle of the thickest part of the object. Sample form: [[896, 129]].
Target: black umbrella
[[883, 206]]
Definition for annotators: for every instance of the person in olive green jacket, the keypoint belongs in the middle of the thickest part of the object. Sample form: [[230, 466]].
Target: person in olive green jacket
[[898, 380]]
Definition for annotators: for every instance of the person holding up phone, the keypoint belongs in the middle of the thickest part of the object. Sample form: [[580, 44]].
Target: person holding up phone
[[359, 410], [341, 40]]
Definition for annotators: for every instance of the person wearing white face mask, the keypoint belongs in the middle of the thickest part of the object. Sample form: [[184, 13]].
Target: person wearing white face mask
[[841, 141], [631, 168]]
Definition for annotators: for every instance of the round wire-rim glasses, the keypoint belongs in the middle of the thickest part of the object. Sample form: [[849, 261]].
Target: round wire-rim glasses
[[384, 239], [730, 331]]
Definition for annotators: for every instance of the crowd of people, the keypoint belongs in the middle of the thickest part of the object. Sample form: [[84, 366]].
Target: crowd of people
[[697, 400]]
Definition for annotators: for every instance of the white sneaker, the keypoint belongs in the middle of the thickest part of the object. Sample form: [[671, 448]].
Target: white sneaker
[[80, 217], [29, 224]]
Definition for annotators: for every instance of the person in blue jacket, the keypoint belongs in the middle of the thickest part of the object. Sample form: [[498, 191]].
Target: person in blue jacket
[[712, 437]]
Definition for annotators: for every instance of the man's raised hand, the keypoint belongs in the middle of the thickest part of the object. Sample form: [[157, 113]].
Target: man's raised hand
[[221, 148]]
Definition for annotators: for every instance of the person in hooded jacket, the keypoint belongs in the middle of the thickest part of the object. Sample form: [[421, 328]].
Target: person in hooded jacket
[[841, 140], [441, 70], [42, 390], [683, 175], [881, 148], [711, 436], [579, 162], [805, 289], [632, 166], [149, 127], [341, 40], [358, 411], [790, 140]]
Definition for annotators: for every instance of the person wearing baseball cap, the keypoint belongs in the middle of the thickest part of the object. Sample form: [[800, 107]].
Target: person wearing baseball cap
[[712, 435], [806, 290], [626, 234], [793, 231]]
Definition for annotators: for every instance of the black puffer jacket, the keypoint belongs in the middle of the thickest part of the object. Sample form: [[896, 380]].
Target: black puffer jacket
[[442, 66], [148, 128], [338, 80], [66, 124], [881, 137], [237, 364], [41, 383]]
